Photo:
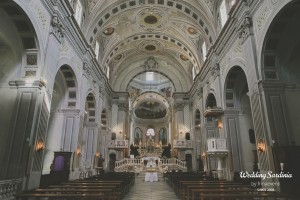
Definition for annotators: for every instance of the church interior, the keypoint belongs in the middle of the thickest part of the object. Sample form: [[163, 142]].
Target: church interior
[[157, 92]]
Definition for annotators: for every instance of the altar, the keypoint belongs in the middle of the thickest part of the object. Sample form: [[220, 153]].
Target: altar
[[151, 177], [151, 171]]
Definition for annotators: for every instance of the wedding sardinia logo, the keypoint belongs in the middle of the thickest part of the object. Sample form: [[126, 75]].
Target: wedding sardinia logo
[[265, 181], [263, 176]]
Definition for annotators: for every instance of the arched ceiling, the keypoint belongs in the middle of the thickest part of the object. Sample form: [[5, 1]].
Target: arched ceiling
[[150, 35]]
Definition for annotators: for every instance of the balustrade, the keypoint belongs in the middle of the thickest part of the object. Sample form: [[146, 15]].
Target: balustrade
[[216, 145], [9, 188], [118, 144], [185, 144]]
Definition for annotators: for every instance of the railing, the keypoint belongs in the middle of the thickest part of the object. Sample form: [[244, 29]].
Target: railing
[[85, 174], [118, 144], [171, 163], [217, 145], [9, 188], [131, 164], [186, 144]]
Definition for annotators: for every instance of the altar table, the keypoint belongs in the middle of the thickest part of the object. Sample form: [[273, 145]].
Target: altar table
[[151, 176]]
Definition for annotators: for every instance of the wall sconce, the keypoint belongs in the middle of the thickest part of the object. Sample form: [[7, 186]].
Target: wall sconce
[[40, 146], [261, 146], [97, 154], [219, 123], [120, 132], [180, 132], [78, 151]]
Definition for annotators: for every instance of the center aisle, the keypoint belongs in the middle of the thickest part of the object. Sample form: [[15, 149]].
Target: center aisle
[[150, 190]]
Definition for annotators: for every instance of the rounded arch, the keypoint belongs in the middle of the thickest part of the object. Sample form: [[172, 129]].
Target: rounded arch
[[90, 108], [235, 85], [19, 43], [138, 135], [163, 136], [277, 32], [210, 101], [67, 83], [197, 118], [104, 120]]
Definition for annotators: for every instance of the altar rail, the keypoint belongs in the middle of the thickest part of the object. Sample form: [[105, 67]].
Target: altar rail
[[9, 188], [118, 144], [173, 162], [123, 164]]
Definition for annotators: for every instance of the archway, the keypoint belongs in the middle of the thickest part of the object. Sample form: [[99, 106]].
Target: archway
[[19, 66], [238, 102], [280, 68], [89, 138], [64, 97], [189, 162], [112, 161]]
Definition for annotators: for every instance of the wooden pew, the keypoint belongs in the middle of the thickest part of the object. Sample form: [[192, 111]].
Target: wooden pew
[[187, 192], [33, 196], [237, 195]]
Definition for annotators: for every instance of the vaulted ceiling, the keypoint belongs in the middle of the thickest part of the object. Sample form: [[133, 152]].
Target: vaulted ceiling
[[164, 36]]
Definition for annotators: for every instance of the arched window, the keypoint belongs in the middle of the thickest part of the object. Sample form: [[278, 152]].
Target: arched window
[[223, 13], [90, 108], [103, 120], [204, 50], [78, 12], [97, 50], [211, 101], [113, 136], [138, 135], [163, 136], [197, 119]]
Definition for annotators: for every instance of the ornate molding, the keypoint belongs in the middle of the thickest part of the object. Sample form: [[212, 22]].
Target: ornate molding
[[54, 2], [123, 106], [245, 29], [215, 70], [58, 29], [178, 107], [150, 64]]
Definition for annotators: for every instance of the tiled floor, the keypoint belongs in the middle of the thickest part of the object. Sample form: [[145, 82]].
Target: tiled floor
[[150, 190]]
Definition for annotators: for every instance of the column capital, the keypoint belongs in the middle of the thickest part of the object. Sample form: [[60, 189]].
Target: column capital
[[178, 107], [123, 106]]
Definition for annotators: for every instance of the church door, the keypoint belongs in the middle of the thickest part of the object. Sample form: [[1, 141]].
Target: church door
[[112, 161]]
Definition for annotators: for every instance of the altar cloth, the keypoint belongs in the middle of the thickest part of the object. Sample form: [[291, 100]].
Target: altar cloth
[[151, 177]]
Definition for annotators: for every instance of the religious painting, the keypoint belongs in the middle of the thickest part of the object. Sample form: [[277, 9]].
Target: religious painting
[[138, 134], [163, 136], [150, 110]]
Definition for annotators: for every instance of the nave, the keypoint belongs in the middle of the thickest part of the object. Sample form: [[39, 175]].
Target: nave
[[150, 190]]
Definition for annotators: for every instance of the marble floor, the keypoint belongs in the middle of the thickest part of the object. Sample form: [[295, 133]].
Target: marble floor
[[150, 190]]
